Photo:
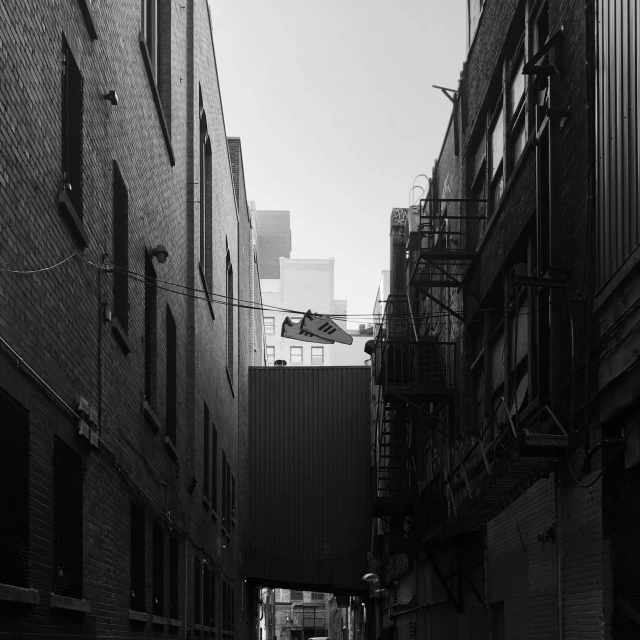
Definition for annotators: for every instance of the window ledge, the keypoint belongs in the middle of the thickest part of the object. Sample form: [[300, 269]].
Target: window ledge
[[88, 19], [160, 620], [206, 288], [71, 604], [152, 419], [170, 447], [205, 503], [72, 218], [230, 381], [175, 623], [156, 98], [9, 593], [139, 616], [121, 335], [214, 515]]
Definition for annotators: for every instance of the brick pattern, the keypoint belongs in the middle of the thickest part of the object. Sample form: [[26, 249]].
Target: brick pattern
[[54, 319]]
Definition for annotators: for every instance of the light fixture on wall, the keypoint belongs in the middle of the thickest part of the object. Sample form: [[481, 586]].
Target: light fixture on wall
[[160, 253], [112, 97]]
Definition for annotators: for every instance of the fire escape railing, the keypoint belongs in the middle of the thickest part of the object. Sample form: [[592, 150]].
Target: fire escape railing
[[497, 468]]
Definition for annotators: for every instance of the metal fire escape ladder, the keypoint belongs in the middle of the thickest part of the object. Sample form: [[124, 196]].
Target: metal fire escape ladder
[[444, 254]]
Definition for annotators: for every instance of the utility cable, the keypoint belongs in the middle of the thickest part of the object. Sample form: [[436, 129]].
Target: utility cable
[[29, 271]]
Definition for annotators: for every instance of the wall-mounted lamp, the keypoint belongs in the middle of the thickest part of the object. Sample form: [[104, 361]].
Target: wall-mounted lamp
[[372, 578], [160, 253], [112, 97]]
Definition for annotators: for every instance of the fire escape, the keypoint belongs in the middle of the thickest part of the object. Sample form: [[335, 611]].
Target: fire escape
[[409, 370]]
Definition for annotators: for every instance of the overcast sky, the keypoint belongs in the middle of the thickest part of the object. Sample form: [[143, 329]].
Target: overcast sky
[[332, 100]]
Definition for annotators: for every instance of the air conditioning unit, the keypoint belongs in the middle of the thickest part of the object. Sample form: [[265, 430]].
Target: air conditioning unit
[[93, 437], [93, 416]]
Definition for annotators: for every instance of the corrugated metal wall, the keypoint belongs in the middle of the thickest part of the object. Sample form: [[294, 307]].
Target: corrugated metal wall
[[618, 133], [309, 493]]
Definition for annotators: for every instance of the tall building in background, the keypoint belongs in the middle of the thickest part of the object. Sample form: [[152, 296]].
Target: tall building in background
[[292, 286]]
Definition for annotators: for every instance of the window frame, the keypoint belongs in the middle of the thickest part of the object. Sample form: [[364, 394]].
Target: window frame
[[321, 360], [291, 355], [271, 351], [268, 326]]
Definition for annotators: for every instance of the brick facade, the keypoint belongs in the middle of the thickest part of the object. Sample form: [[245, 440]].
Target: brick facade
[[57, 341], [551, 540]]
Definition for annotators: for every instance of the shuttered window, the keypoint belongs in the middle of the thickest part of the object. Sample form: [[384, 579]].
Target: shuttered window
[[174, 564], [205, 430], [137, 558], [72, 110], [171, 377], [225, 522], [120, 249], [230, 311], [206, 595], [158, 570], [68, 521], [214, 467], [150, 331], [14, 493], [196, 590]]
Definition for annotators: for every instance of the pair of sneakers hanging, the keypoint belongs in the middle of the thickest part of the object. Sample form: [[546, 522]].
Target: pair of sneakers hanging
[[315, 327]]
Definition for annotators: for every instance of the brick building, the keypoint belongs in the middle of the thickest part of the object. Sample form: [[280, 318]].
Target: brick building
[[506, 401], [123, 371]]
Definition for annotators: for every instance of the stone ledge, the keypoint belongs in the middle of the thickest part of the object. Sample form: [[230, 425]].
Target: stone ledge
[[170, 447], [121, 335], [72, 218], [175, 623], [9, 593], [139, 616], [71, 604], [159, 620], [152, 419]]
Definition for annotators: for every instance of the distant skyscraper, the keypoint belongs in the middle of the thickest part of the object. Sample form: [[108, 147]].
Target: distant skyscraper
[[274, 241]]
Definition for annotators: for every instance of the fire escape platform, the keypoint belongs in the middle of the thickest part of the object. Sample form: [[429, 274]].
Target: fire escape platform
[[520, 465]]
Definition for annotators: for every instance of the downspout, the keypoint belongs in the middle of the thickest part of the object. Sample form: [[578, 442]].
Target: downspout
[[186, 587]]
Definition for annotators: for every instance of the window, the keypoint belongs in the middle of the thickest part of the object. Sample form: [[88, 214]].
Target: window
[[205, 431], [233, 499], [171, 377], [517, 132], [317, 596], [206, 197], [271, 355], [174, 573], [14, 493], [214, 467], [156, 35], [496, 170], [206, 594], [230, 311], [228, 608], [68, 521], [137, 602], [296, 595], [225, 522], [212, 595], [197, 579], [72, 111], [157, 597], [269, 325], [296, 355], [150, 331], [317, 355], [120, 249]]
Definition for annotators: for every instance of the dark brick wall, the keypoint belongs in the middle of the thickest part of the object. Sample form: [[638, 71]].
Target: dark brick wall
[[54, 319]]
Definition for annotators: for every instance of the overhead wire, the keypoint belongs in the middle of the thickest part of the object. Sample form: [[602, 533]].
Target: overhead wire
[[191, 292]]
